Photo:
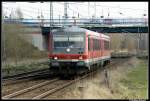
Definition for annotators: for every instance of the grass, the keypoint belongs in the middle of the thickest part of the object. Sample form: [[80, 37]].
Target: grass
[[136, 82], [13, 70]]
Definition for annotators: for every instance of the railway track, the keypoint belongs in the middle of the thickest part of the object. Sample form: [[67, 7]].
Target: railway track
[[26, 90], [34, 92], [52, 86], [47, 88], [24, 77]]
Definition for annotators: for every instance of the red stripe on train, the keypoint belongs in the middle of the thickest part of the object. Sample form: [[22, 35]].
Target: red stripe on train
[[68, 56]]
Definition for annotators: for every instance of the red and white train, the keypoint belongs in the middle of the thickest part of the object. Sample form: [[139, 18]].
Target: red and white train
[[74, 50]]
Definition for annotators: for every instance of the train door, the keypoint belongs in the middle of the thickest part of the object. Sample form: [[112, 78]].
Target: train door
[[89, 47], [101, 42], [90, 50], [102, 52]]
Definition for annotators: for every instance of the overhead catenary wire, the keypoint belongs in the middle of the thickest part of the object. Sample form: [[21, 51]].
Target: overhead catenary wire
[[46, 12], [29, 11], [77, 12], [93, 6], [109, 6], [24, 13]]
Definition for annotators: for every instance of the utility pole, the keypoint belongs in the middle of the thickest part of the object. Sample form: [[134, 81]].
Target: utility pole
[[3, 52], [59, 18], [51, 14], [102, 14], [139, 43], [51, 20], [42, 16], [65, 12], [38, 17], [108, 12], [3, 44], [42, 19], [88, 10], [95, 9]]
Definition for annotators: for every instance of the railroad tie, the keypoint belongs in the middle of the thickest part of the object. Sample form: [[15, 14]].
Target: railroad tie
[[27, 89]]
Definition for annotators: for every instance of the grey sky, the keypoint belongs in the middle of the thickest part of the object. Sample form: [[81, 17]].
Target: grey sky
[[32, 10]]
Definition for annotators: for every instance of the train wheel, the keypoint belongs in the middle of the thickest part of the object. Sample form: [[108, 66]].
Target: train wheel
[[102, 64], [108, 61], [62, 76], [72, 77]]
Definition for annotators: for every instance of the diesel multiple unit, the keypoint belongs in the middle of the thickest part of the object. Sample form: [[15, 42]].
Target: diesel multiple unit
[[74, 50]]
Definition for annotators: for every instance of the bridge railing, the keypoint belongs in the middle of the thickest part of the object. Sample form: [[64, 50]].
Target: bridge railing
[[81, 22]]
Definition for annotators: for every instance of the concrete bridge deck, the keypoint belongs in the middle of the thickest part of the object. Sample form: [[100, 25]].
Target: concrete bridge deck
[[144, 29]]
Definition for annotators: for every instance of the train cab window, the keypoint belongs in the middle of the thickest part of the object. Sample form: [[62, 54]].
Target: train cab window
[[75, 41], [106, 45], [60, 41]]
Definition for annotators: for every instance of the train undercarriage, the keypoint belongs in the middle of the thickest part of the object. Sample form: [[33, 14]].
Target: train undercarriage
[[71, 69]]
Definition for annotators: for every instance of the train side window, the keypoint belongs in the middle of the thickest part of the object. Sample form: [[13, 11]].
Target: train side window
[[89, 44], [106, 45], [93, 44], [99, 45], [96, 44]]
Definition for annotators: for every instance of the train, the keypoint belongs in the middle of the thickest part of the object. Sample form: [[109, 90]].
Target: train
[[74, 50]]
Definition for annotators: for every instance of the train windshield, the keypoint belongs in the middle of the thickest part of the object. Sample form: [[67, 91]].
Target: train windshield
[[68, 41], [75, 43]]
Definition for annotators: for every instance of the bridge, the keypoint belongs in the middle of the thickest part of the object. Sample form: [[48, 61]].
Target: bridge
[[81, 22], [134, 25]]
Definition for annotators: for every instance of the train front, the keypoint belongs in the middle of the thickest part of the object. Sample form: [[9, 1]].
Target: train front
[[67, 52]]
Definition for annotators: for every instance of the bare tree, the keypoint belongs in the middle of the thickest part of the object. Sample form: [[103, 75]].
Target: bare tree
[[19, 14]]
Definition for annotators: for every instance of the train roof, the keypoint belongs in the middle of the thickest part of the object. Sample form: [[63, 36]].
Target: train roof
[[69, 29], [78, 29]]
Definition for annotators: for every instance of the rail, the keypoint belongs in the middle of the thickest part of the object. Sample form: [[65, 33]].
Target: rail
[[24, 75]]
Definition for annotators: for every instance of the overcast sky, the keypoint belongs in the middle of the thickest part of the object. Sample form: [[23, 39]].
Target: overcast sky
[[115, 9]]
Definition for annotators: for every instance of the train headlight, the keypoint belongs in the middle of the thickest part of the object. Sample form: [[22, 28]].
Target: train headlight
[[80, 57], [55, 58], [68, 50]]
